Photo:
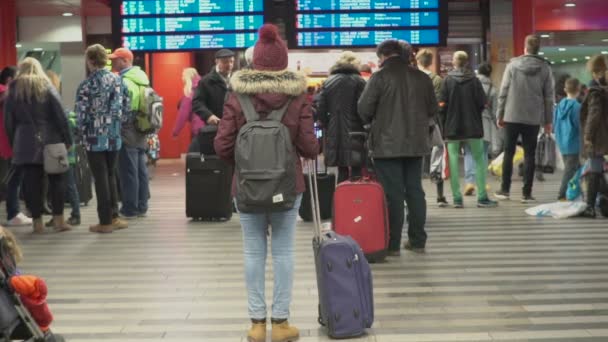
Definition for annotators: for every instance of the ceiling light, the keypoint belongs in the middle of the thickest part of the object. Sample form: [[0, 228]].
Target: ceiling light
[[563, 61], [545, 35], [562, 49], [605, 40], [18, 46], [587, 57], [541, 53], [552, 62], [575, 59], [570, 4], [38, 49], [604, 52], [67, 14]]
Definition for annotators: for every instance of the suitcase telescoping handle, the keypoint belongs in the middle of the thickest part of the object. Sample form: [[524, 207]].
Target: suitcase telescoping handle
[[314, 197]]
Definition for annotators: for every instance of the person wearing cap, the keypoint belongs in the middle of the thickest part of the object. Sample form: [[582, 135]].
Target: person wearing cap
[[208, 101], [132, 170], [270, 87]]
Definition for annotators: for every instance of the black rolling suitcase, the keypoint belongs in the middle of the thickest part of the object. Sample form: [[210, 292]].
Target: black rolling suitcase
[[208, 188], [83, 176], [327, 186]]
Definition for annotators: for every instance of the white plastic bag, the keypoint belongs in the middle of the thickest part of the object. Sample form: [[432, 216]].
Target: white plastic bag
[[558, 210]]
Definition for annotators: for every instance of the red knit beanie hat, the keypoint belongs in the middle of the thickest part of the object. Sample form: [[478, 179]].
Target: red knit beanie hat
[[270, 52]]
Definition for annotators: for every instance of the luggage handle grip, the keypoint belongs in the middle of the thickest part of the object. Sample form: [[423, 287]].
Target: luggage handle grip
[[314, 197]]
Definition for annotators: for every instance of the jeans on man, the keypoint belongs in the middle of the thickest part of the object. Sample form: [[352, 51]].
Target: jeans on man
[[103, 167], [72, 192], [134, 182], [255, 243], [529, 136], [571, 166], [401, 179]]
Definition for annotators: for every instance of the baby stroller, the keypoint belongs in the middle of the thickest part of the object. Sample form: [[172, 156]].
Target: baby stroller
[[16, 323]]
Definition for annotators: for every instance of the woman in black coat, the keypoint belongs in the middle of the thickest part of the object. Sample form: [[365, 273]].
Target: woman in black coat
[[337, 110], [34, 117]]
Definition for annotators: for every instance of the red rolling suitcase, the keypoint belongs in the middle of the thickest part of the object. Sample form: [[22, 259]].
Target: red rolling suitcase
[[360, 208], [360, 211]]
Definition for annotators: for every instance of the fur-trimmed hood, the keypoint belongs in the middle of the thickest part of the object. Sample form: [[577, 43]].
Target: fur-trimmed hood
[[283, 82], [341, 68]]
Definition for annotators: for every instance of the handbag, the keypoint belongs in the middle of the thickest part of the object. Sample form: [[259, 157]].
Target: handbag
[[55, 159], [54, 156]]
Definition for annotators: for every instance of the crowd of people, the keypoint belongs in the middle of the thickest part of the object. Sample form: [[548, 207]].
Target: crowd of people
[[102, 122], [406, 109]]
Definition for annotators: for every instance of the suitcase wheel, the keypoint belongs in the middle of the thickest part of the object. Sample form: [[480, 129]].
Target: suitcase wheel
[[320, 319]]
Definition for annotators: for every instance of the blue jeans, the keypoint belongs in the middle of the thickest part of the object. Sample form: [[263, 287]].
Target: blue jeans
[[134, 183], [12, 192], [255, 250], [469, 162], [72, 192]]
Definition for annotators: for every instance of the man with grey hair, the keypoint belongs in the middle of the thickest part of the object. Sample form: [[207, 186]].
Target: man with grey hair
[[525, 103], [399, 101]]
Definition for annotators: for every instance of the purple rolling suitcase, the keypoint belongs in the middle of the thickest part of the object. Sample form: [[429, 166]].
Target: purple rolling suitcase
[[344, 278]]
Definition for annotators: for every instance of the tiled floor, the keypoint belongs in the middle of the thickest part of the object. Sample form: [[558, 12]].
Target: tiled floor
[[489, 275]]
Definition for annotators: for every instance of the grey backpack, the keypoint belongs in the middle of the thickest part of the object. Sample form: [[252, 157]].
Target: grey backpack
[[265, 162]]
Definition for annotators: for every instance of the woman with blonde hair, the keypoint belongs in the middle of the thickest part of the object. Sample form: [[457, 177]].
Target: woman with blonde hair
[[34, 118], [337, 110], [190, 77]]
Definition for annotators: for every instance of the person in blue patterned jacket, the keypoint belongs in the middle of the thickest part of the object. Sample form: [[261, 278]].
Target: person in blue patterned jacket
[[101, 107]]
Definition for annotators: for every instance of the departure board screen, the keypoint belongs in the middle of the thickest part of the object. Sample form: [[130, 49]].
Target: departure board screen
[[341, 5], [174, 25], [366, 23], [163, 7], [366, 38], [190, 42]]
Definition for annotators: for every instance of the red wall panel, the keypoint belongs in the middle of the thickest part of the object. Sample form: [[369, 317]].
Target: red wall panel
[[167, 81], [8, 33], [523, 24]]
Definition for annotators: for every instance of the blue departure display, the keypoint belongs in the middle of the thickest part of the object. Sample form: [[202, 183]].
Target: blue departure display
[[163, 7], [368, 20], [192, 24], [343, 5], [366, 23], [174, 25], [366, 38], [190, 42]]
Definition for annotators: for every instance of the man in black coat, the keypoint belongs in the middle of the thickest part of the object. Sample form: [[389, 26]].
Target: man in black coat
[[399, 101], [208, 101]]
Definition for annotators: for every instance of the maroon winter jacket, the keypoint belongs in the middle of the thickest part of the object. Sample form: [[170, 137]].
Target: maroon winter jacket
[[270, 91]]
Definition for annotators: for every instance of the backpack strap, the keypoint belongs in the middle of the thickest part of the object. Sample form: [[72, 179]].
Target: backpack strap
[[277, 114], [251, 115], [248, 109]]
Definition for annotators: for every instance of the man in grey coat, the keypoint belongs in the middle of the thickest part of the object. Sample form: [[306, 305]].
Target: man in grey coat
[[525, 103], [399, 101]]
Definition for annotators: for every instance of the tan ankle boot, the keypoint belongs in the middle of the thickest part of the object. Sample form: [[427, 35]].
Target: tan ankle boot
[[38, 225], [60, 225], [257, 333], [283, 332], [102, 229]]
